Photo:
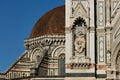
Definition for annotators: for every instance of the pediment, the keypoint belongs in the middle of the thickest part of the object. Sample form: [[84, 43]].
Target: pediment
[[79, 10], [116, 28]]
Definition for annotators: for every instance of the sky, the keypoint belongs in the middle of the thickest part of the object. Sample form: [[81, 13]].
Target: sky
[[17, 18]]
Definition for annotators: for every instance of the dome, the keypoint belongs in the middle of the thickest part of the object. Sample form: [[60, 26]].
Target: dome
[[53, 22]]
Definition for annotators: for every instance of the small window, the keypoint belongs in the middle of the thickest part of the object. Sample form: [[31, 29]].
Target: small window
[[61, 65]]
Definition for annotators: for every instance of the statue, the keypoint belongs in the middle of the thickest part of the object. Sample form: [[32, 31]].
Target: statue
[[80, 44]]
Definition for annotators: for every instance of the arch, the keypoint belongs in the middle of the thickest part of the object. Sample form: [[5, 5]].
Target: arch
[[115, 52], [79, 22], [54, 54], [33, 53]]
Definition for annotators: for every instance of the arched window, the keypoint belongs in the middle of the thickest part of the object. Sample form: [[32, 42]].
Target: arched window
[[37, 58], [61, 65]]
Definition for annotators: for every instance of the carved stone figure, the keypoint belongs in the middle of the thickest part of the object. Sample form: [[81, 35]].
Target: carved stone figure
[[79, 44]]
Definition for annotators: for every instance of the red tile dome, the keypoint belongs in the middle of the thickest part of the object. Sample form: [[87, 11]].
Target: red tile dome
[[53, 22]]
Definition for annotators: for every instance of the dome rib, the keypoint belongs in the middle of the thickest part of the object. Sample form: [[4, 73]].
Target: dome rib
[[53, 22]]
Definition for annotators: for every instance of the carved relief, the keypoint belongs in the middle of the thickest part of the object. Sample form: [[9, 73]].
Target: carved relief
[[101, 48], [80, 44], [101, 13], [79, 33], [79, 59]]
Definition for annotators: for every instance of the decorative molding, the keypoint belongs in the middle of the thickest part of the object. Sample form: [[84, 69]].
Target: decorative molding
[[114, 6], [117, 33], [80, 75], [57, 51], [108, 58], [101, 48], [79, 10], [91, 28], [101, 67], [80, 65], [35, 54], [44, 40], [101, 76], [101, 13]]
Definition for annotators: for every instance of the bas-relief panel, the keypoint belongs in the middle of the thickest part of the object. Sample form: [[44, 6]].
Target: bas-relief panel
[[101, 48], [79, 37], [79, 41], [101, 13], [80, 44]]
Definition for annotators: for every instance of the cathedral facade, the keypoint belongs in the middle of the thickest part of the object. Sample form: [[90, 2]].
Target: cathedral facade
[[77, 41]]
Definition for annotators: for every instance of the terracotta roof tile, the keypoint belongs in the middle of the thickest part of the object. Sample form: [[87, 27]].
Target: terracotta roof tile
[[52, 22]]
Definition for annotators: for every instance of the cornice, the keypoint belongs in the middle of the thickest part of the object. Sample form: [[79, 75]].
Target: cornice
[[44, 41]]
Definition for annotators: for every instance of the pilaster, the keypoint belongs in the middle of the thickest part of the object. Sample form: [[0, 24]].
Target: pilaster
[[102, 17], [108, 12], [92, 33], [80, 62], [68, 34]]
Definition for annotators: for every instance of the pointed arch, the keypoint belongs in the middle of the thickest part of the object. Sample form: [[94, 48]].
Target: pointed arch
[[80, 8]]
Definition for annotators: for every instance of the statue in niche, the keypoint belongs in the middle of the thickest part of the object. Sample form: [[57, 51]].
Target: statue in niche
[[79, 44]]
